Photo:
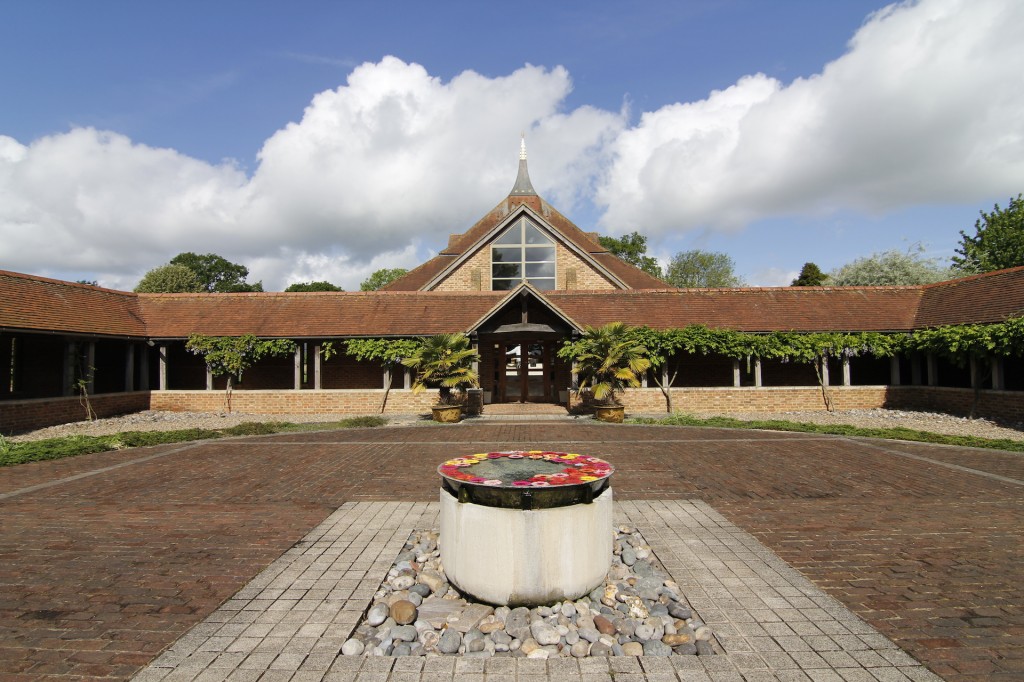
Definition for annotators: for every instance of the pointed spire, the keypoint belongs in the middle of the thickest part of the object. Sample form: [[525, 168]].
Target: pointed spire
[[523, 186]]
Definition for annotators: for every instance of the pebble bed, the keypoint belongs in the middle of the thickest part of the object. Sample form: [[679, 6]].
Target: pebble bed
[[637, 611]]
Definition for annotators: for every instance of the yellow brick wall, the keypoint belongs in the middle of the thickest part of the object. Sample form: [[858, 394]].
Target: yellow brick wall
[[462, 278]]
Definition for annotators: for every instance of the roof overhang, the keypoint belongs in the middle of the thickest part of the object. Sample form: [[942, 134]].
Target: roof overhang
[[525, 328]]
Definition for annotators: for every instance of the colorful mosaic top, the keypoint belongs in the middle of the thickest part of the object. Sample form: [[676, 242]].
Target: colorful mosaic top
[[521, 469]]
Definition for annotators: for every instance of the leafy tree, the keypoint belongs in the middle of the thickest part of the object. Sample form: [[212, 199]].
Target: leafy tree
[[632, 248], [313, 286], [215, 273], [389, 352], [381, 278], [810, 276], [232, 355], [890, 268], [445, 361], [608, 360], [998, 241], [697, 268], [169, 279]]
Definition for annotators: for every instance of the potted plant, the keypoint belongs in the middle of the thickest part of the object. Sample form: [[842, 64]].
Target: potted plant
[[445, 361], [608, 359]]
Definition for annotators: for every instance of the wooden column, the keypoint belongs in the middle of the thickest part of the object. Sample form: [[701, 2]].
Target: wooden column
[[736, 374], [144, 367], [317, 359], [129, 368], [894, 370], [209, 378], [297, 383], [998, 376], [933, 370], [757, 372], [70, 351], [89, 371], [823, 364], [915, 370], [846, 370], [162, 349], [387, 377]]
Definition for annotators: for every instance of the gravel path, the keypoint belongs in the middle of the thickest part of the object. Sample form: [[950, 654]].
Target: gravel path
[[153, 420]]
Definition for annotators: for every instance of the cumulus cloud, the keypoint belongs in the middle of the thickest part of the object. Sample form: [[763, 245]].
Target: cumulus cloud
[[926, 106], [394, 160]]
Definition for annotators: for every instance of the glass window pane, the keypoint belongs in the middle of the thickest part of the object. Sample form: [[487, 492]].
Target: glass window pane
[[507, 270], [504, 284], [504, 254], [543, 283], [540, 270], [536, 254], [534, 236], [513, 235]]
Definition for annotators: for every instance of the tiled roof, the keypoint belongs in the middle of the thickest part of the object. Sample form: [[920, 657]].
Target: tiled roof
[[631, 276], [991, 297], [28, 302], [314, 315], [767, 309]]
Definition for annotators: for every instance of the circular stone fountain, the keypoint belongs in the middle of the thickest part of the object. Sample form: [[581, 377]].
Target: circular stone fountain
[[526, 527]]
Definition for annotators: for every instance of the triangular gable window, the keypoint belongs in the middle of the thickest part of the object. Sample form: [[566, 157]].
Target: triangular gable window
[[522, 252]]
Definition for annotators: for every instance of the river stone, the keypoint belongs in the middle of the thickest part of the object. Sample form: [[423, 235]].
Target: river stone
[[685, 649], [404, 612], [703, 633], [569, 609], [431, 579], [402, 649], [642, 568], [677, 639], [628, 556], [590, 634], [603, 625], [677, 610], [450, 641], [571, 637], [580, 649], [420, 589], [529, 646], [539, 653], [436, 611], [352, 647], [644, 632], [617, 649], [404, 633], [403, 581], [429, 639], [632, 649], [377, 614], [544, 633], [599, 648], [655, 647], [501, 637], [490, 624], [704, 648], [517, 623]]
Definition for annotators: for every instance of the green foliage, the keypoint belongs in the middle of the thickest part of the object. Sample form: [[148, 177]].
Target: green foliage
[[169, 279], [697, 268], [632, 248], [445, 361], [896, 433], [313, 286], [608, 359], [810, 276], [215, 273], [381, 278], [255, 428], [890, 268], [960, 342], [998, 240], [232, 355], [385, 351]]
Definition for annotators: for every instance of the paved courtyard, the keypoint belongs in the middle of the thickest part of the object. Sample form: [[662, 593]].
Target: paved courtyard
[[815, 557]]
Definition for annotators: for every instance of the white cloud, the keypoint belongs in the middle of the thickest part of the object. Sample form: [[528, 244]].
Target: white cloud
[[388, 162], [926, 106]]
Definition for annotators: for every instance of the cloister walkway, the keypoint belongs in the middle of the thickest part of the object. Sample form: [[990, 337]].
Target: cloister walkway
[[107, 559]]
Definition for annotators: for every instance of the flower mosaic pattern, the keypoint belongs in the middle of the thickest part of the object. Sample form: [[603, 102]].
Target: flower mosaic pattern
[[578, 469]]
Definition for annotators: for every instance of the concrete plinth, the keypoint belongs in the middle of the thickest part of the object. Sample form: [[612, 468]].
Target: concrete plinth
[[519, 557]]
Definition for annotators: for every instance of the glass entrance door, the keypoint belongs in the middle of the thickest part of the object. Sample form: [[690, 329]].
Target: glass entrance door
[[525, 374]]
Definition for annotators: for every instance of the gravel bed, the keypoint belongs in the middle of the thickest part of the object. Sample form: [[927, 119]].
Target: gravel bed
[[636, 611], [153, 420]]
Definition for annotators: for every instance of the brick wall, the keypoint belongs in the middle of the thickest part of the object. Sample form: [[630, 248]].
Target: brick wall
[[24, 415], [750, 399], [339, 402], [1006, 406]]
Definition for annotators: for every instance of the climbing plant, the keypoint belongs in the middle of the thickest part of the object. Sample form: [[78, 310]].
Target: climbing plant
[[231, 355], [388, 351]]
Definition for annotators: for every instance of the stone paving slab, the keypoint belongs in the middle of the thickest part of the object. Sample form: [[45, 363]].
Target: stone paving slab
[[771, 622]]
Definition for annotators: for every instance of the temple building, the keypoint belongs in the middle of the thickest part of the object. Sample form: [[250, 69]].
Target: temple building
[[519, 282]]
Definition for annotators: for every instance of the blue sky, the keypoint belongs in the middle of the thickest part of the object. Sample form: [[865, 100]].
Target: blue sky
[[321, 140]]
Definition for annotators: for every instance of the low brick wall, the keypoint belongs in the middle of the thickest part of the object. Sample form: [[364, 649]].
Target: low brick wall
[[340, 402], [751, 399], [17, 416]]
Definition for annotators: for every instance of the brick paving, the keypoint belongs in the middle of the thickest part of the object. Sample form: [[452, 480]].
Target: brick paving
[[100, 573]]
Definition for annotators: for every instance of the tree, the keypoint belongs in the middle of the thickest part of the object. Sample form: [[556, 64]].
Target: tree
[[890, 268], [608, 360], [810, 276], [697, 268], [445, 361], [169, 279], [998, 241], [215, 273], [90, 282], [381, 278], [313, 286], [632, 248], [232, 355]]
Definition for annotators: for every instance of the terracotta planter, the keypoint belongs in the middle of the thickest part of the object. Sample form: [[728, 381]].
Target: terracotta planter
[[610, 413], [447, 414]]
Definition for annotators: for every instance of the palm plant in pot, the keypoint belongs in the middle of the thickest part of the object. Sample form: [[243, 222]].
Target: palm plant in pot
[[608, 360], [445, 362]]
